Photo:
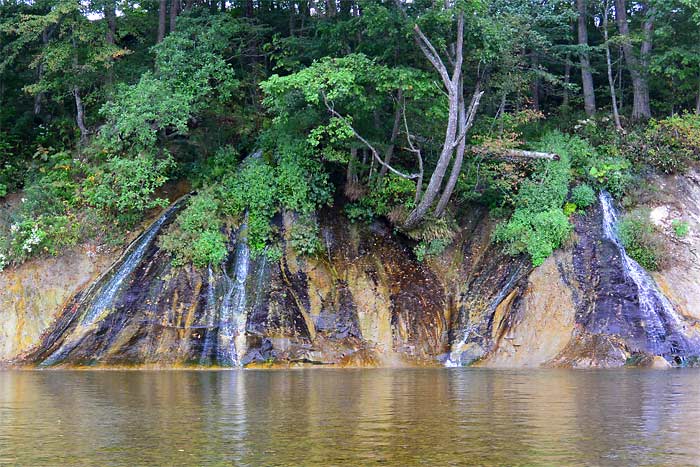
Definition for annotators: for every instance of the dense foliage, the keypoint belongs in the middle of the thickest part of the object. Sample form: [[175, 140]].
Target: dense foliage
[[405, 111]]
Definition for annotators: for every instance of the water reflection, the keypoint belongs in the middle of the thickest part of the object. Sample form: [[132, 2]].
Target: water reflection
[[350, 417]]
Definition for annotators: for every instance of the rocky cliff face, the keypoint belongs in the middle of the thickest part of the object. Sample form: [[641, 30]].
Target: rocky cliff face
[[366, 301], [33, 294]]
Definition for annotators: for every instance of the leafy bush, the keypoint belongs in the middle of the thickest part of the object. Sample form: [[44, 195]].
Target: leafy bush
[[302, 183], [611, 174], [680, 228], [124, 187], [195, 236], [252, 192], [538, 224], [46, 234], [583, 196], [304, 237], [642, 240], [212, 169], [208, 248], [538, 234], [390, 193], [569, 209], [667, 145], [433, 247]]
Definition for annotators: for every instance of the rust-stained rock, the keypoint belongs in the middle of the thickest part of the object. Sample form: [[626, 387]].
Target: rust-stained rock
[[364, 300], [542, 322], [32, 294]]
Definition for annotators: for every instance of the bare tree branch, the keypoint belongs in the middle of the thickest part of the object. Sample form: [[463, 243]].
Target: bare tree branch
[[416, 151], [471, 114], [375, 153], [432, 55]]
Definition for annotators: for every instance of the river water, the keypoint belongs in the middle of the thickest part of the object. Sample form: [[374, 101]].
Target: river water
[[323, 417]]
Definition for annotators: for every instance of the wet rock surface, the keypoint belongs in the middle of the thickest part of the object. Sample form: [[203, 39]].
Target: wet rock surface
[[366, 301]]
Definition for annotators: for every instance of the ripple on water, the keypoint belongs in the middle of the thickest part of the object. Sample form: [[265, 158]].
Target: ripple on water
[[350, 417]]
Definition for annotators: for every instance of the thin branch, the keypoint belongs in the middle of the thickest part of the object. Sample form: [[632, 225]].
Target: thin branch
[[471, 114], [416, 151], [459, 49], [432, 55], [374, 152]]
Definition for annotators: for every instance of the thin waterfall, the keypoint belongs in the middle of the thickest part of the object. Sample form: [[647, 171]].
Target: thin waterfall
[[105, 298], [209, 317], [232, 316], [659, 317], [101, 297]]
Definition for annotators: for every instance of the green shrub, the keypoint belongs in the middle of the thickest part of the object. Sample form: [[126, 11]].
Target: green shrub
[[389, 193], [195, 236], [680, 228], [45, 234], [583, 196], [538, 235], [667, 145], [214, 168], [611, 174], [302, 184], [569, 209], [538, 224], [304, 237], [252, 192], [433, 247], [3, 190], [51, 194], [208, 248], [641, 239], [124, 188]]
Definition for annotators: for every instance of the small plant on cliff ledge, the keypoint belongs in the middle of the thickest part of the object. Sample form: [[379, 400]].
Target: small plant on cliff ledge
[[195, 236], [583, 196], [434, 247], [642, 240], [680, 228], [303, 237]]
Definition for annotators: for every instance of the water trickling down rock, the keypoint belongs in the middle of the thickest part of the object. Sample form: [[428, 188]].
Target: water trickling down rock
[[367, 301]]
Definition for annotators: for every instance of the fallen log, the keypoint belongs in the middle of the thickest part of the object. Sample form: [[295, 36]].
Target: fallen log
[[514, 153]]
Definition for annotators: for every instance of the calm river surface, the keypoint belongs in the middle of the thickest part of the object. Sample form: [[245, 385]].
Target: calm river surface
[[322, 417]]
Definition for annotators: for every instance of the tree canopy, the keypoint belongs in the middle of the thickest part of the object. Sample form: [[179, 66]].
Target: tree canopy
[[408, 111]]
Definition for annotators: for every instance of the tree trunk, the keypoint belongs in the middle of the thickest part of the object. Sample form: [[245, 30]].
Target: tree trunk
[[567, 81], [110, 12], [39, 98], [249, 11], [697, 100], [451, 84], [516, 154], [611, 80], [394, 134], [586, 75], [331, 8], [174, 11], [466, 119], [161, 20], [535, 86], [637, 68], [80, 115], [345, 8]]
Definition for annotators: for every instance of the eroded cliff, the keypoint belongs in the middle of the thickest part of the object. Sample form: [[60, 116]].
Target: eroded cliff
[[366, 300]]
